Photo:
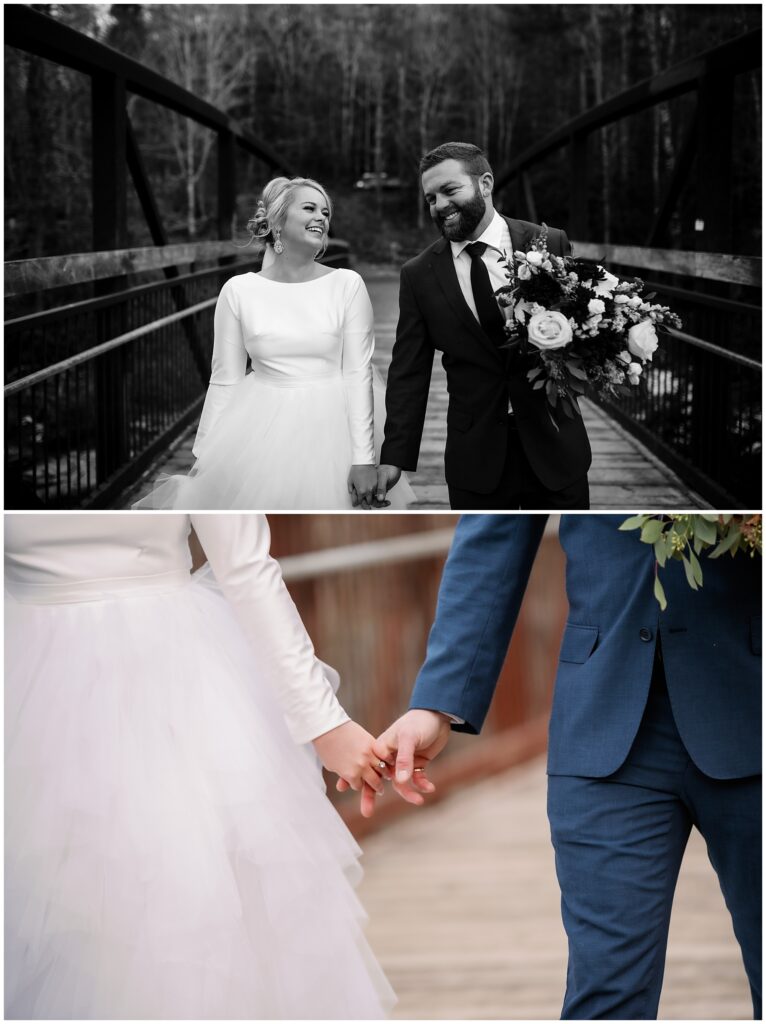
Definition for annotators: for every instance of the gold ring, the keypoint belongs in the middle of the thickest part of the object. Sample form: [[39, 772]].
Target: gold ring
[[418, 769]]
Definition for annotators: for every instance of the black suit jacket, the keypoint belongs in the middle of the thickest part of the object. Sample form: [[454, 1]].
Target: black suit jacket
[[433, 315]]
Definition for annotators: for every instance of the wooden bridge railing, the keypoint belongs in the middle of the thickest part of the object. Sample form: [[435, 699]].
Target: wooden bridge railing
[[366, 590]]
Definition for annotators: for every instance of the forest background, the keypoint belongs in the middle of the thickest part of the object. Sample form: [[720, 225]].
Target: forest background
[[340, 91]]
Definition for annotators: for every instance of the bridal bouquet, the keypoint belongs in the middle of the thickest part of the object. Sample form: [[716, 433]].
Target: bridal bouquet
[[588, 328], [685, 537]]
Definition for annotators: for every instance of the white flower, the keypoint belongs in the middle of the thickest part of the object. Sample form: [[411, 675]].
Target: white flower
[[634, 301], [549, 330], [642, 339], [524, 273], [522, 308], [624, 356], [534, 259], [634, 372], [596, 307], [607, 285], [621, 299]]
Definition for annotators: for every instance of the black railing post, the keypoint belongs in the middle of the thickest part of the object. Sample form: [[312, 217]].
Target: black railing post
[[110, 231], [714, 162]]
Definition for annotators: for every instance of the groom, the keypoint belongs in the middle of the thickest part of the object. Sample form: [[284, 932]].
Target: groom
[[503, 449], [655, 728]]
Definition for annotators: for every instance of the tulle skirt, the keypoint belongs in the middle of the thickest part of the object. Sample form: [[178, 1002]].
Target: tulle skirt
[[170, 852], [276, 447]]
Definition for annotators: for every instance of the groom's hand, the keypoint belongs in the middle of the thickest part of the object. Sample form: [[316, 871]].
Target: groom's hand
[[388, 477], [418, 734]]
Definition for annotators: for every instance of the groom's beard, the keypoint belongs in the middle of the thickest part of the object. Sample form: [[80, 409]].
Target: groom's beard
[[470, 217]]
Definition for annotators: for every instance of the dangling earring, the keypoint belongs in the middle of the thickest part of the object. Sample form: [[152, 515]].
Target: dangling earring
[[278, 247]]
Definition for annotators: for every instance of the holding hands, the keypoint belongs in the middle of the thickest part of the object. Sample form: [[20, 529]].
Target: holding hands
[[401, 754], [369, 485]]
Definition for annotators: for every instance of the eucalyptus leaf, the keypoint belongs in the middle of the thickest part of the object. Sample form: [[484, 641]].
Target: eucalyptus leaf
[[651, 531], [689, 573], [729, 543], [633, 523], [696, 568], [705, 530], [659, 593]]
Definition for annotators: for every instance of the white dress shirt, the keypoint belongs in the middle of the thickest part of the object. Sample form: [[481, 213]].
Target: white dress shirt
[[497, 238]]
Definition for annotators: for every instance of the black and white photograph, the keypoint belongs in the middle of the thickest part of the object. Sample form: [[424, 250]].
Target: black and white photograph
[[399, 256]]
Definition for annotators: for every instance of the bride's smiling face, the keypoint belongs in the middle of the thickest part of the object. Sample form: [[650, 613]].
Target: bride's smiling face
[[307, 220]]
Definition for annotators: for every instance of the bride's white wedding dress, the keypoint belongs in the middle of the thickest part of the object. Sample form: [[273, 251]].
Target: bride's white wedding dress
[[169, 848], [285, 434]]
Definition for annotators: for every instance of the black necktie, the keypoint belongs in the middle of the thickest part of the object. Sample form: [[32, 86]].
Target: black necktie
[[490, 315]]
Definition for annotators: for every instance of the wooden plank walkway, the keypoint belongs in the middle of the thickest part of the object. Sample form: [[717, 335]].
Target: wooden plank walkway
[[464, 913], [624, 474]]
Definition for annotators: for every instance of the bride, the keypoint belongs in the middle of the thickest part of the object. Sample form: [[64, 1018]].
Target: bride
[[297, 431], [169, 848]]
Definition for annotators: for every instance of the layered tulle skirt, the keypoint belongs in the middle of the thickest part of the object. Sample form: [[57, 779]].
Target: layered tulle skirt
[[275, 446], [170, 852]]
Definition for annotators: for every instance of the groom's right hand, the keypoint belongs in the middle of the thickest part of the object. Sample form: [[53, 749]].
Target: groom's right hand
[[420, 732], [388, 477]]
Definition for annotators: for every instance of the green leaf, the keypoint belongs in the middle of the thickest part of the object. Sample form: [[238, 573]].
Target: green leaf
[[689, 573], [651, 531], [575, 370], [696, 568], [663, 549], [633, 523], [659, 593], [538, 384], [729, 543], [705, 530], [534, 373]]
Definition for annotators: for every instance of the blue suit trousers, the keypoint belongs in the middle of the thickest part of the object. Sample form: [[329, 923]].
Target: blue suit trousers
[[619, 842]]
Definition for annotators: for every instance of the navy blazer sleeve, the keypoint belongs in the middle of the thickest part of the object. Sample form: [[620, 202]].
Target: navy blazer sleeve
[[482, 586]]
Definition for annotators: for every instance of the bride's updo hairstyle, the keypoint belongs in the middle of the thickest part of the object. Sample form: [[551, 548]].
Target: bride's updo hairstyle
[[271, 208]]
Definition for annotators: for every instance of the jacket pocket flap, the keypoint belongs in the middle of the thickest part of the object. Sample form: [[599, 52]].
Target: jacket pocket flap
[[755, 634], [578, 643], [459, 419]]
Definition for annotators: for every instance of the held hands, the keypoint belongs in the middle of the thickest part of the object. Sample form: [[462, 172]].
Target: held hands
[[410, 743], [347, 752], [388, 477], [362, 485]]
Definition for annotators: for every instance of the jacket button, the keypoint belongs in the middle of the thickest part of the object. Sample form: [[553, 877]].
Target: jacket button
[[645, 634]]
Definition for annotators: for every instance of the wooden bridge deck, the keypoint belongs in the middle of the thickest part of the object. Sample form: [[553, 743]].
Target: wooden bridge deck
[[464, 913], [624, 474]]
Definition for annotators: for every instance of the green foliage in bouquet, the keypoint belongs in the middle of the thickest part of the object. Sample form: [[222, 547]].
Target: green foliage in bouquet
[[685, 537]]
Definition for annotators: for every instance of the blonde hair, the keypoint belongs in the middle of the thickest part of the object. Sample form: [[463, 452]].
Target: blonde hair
[[271, 208]]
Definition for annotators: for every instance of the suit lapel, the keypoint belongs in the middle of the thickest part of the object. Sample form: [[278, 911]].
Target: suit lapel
[[443, 265]]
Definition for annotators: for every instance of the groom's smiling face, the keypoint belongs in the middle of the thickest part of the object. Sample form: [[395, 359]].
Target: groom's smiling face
[[460, 204]]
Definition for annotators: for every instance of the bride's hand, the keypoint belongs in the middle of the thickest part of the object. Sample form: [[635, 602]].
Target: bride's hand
[[347, 751], [362, 483]]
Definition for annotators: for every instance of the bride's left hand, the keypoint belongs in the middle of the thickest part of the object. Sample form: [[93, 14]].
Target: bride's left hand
[[362, 484]]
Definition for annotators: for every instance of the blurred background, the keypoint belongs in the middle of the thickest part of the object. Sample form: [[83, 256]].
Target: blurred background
[[366, 589]]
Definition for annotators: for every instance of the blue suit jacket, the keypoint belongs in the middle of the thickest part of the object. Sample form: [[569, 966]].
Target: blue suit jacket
[[711, 642]]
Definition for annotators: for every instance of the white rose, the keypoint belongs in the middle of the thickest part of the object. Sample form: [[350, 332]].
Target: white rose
[[642, 339], [549, 330], [596, 307], [624, 356], [607, 285], [534, 259], [524, 273]]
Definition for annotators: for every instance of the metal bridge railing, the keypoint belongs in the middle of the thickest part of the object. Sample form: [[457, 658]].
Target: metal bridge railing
[[96, 389]]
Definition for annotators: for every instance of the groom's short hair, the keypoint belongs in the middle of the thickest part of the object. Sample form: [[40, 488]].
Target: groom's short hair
[[471, 157]]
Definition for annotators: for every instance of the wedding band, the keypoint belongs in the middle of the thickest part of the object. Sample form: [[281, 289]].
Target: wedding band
[[382, 764], [418, 769]]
